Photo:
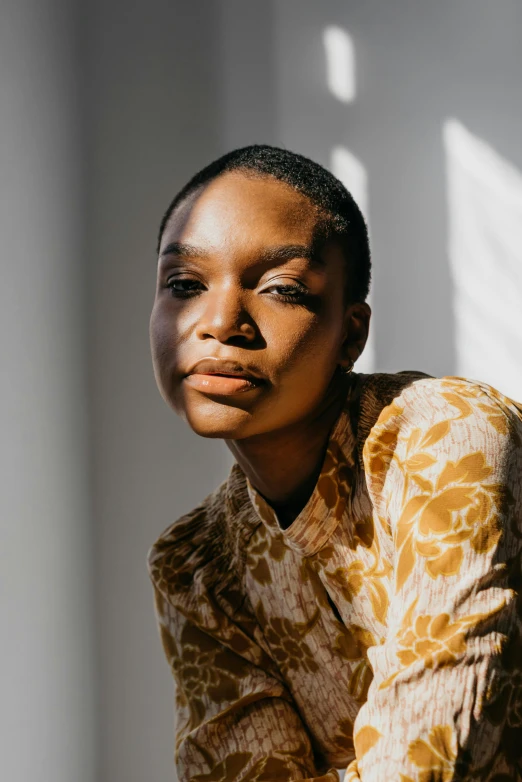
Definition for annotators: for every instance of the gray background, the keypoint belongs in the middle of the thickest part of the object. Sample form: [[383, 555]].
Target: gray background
[[106, 109]]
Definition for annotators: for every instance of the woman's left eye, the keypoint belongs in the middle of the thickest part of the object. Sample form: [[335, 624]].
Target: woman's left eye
[[290, 292]]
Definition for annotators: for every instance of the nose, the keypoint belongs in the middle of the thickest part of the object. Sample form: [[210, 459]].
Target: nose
[[224, 316]]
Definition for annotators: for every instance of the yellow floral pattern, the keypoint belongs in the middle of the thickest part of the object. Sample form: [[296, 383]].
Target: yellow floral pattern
[[380, 632], [432, 641], [435, 756], [436, 523]]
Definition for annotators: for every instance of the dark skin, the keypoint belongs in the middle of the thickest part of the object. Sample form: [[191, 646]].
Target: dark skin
[[239, 278]]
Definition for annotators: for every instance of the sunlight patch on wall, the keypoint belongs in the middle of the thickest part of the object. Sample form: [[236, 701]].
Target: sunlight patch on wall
[[340, 63], [349, 169], [485, 252]]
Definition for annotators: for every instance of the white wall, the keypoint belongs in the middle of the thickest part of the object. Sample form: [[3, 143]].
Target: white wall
[[47, 674]]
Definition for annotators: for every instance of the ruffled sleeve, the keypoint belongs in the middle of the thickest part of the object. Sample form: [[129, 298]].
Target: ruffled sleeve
[[444, 471]]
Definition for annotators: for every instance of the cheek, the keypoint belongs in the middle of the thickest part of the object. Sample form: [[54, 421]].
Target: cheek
[[163, 343], [303, 340], [164, 351]]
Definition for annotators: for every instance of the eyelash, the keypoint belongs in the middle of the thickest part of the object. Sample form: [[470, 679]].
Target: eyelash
[[294, 293]]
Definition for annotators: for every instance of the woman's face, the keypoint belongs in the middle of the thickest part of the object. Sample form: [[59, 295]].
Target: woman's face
[[238, 282]]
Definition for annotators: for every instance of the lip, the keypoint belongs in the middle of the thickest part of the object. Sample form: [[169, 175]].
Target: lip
[[222, 376], [222, 366]]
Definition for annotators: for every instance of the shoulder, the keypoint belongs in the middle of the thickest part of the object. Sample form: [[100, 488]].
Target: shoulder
[[433, 422], [196, 572], [186, 546], [444, 459], [475, 405], [200, 553]]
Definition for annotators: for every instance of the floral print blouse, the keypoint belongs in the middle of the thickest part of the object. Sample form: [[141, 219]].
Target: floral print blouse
[[382, 630]]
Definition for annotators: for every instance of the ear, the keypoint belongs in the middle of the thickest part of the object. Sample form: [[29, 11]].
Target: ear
[[356, 330]]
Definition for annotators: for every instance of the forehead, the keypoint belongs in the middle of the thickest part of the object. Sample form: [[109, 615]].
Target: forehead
[[244, 211]]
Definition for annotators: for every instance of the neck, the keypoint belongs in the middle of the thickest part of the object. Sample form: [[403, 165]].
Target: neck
[[284, 465]]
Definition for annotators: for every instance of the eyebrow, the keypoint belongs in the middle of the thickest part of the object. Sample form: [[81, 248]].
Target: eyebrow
[[276, 254], [184, 250]]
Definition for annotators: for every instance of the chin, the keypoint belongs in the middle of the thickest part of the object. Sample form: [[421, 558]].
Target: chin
[[219, 421]]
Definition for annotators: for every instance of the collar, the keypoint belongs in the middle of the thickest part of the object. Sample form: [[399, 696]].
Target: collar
[[332, 495], [366, 397]]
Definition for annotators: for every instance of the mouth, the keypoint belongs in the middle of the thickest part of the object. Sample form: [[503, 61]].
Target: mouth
[[221, 384], [222, 377]]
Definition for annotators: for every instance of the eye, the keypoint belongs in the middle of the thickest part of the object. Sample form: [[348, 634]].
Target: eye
[[183, 287], [294, 291]]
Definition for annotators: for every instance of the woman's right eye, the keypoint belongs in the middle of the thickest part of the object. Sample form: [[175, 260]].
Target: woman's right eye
[[182, 287]]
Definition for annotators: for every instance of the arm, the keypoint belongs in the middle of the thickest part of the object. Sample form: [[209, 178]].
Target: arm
[[235, 719], [444, 470]]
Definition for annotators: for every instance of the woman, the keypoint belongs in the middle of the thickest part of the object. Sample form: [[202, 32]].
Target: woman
[[350, 595]]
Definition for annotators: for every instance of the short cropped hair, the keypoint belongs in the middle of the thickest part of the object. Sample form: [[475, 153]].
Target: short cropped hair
[[341, 217]]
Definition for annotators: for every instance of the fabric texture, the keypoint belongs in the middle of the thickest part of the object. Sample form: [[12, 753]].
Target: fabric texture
[[382, 630]]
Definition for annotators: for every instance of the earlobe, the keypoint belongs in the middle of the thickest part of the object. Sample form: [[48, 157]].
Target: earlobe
[[349, 367]]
